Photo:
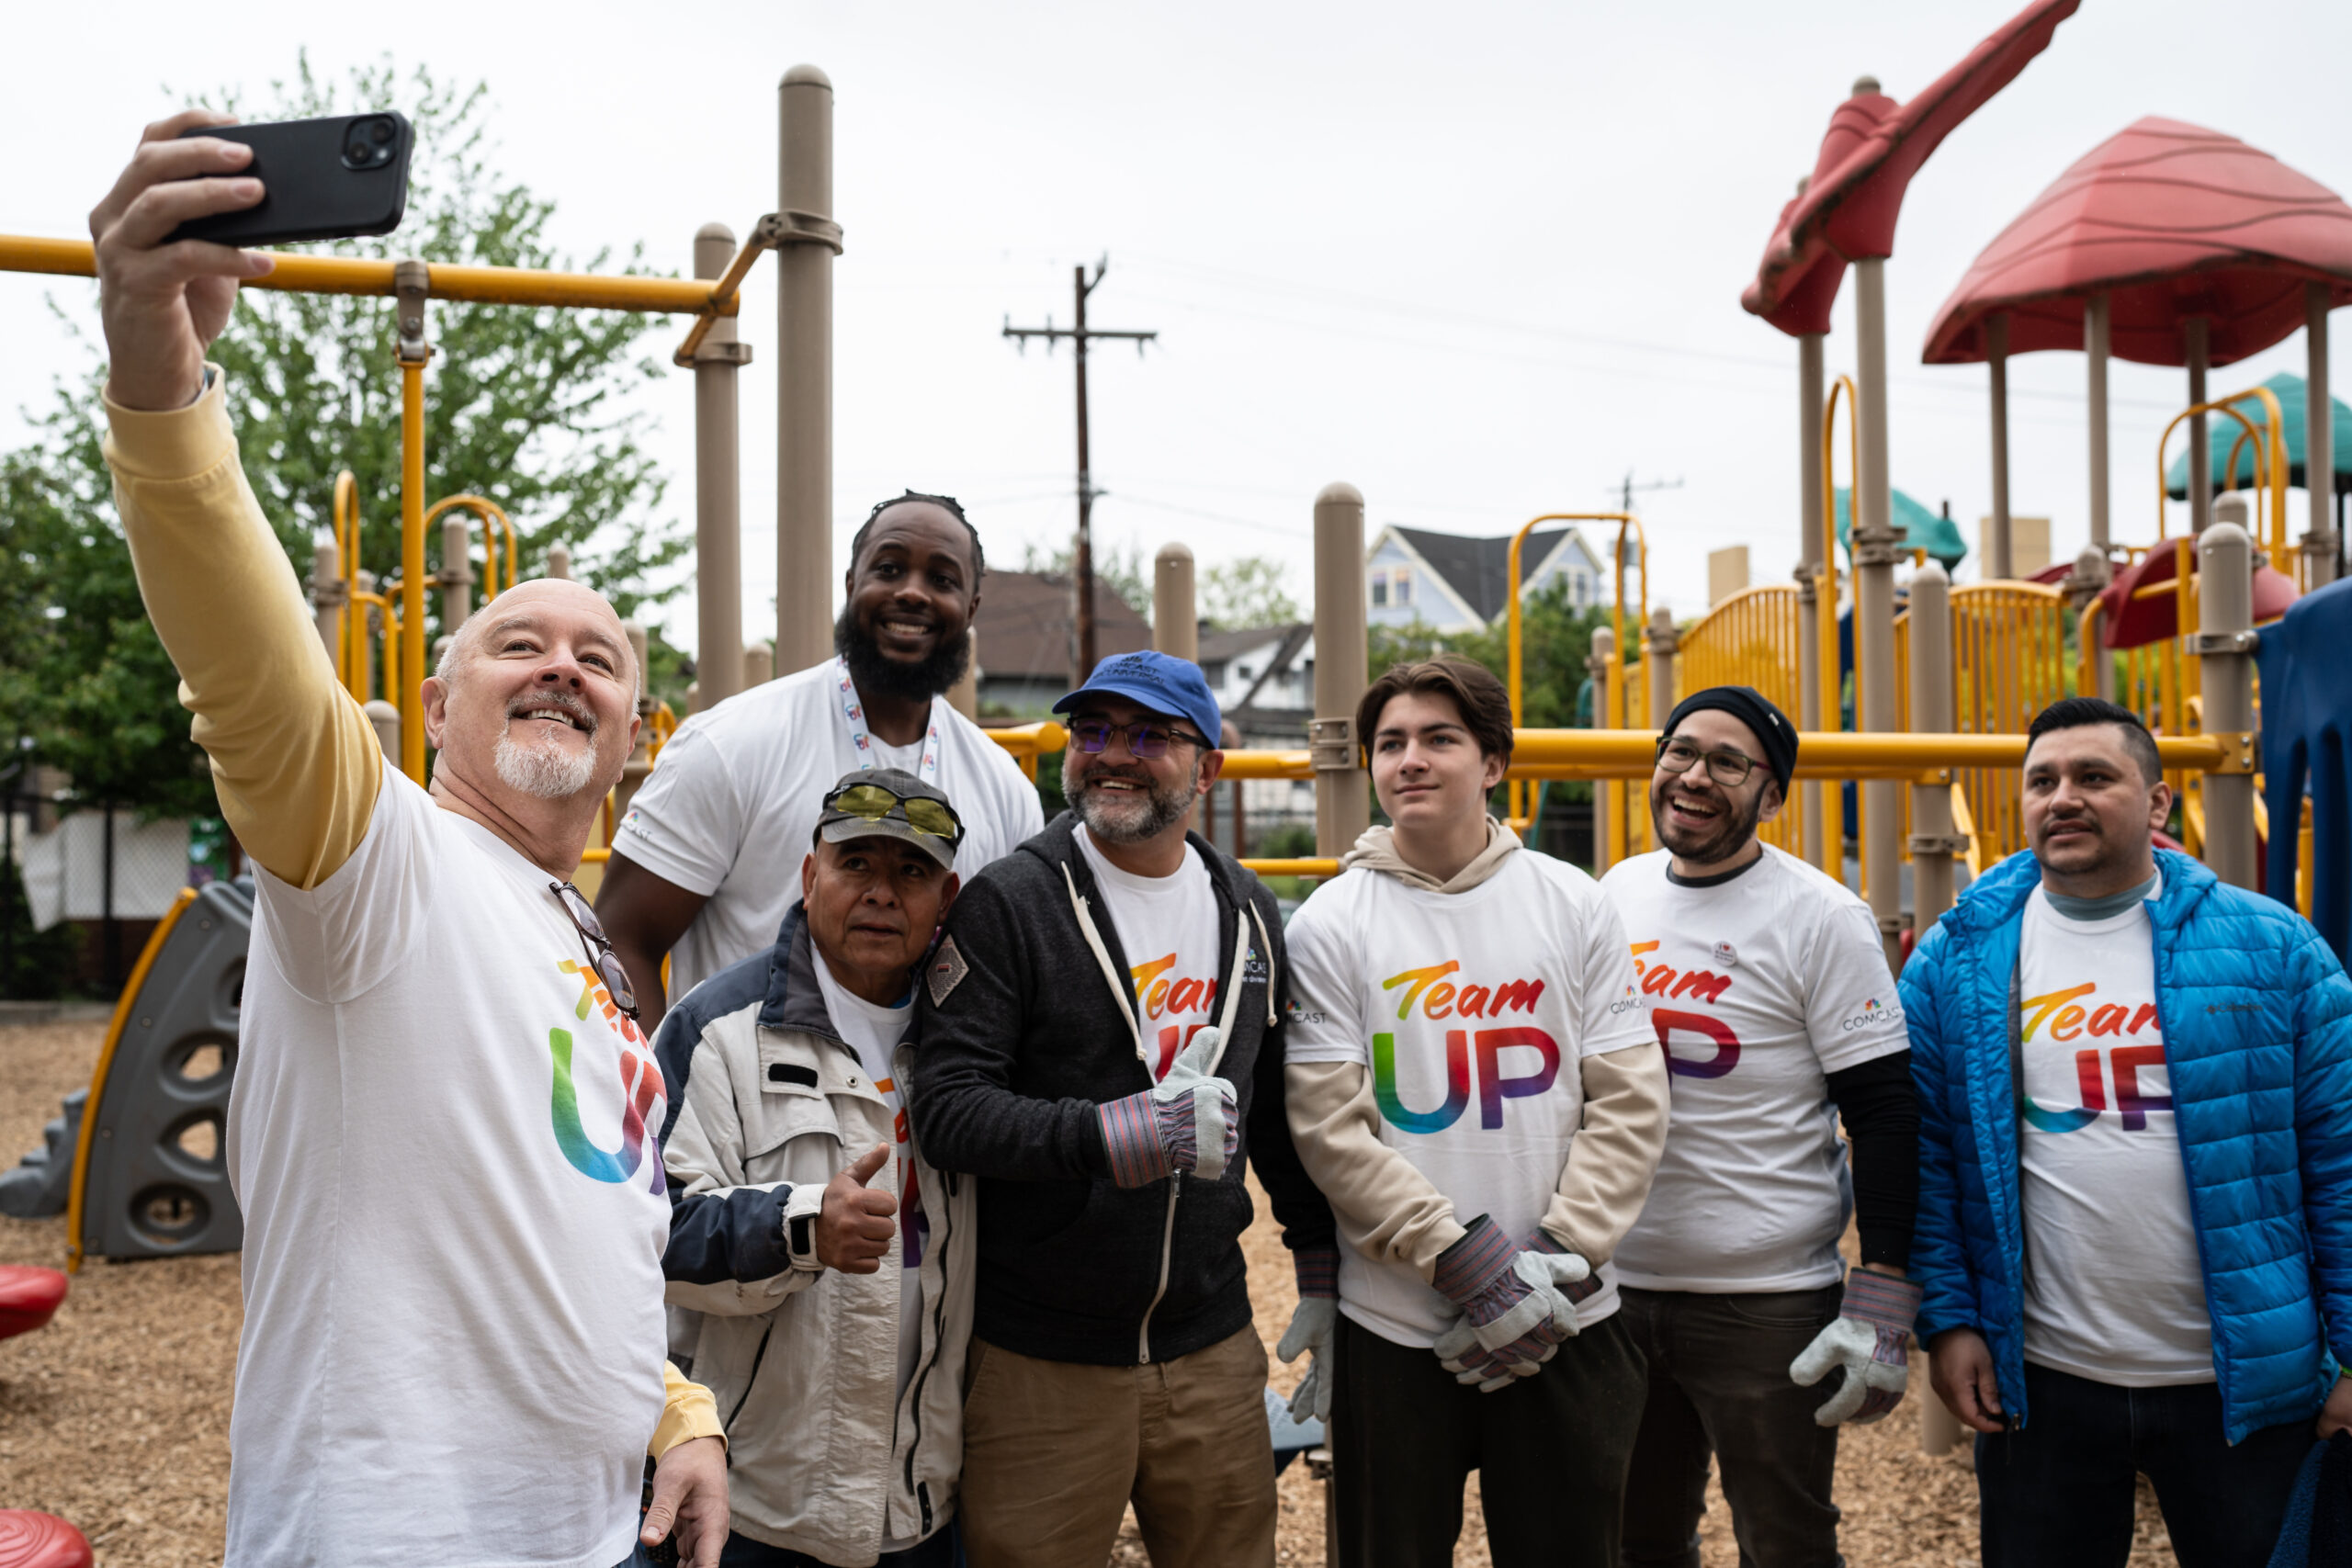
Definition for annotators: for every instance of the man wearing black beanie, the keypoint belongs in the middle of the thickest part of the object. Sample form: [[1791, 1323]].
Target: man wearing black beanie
[[1773, 1005]]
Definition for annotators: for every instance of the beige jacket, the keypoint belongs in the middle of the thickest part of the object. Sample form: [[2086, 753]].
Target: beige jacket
[[1386, 1209]]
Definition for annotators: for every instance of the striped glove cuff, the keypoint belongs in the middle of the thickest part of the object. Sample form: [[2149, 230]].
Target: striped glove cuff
[[1131, 1141], [1470, 1266], [1318, 1271], [1882, 1300]]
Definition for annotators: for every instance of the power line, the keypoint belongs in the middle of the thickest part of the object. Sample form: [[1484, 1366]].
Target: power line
[[1081, 562]]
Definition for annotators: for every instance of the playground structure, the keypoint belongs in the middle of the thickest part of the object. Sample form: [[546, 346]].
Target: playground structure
[[1915, 696]]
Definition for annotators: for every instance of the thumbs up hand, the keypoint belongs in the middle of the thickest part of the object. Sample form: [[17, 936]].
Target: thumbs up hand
[[854, 1227], [1187, 1122]]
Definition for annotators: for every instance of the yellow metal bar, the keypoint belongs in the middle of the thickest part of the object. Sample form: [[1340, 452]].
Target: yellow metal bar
[[122, 1008], [411, 639], [1269, 765], [349, 664], [1310, 867], [478, 285], [494, 520]]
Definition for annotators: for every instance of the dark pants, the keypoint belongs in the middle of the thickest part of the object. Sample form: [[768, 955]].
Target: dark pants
[[2059, 1490], [937, 1551], [1719, 1385], [1550, 1451]]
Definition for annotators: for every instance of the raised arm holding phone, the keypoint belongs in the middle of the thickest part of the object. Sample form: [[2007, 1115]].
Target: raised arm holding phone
[[453, 1339]]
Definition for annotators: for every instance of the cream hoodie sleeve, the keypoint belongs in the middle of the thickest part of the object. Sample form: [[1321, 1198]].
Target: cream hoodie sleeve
[[294, 760], [1385, 1206]]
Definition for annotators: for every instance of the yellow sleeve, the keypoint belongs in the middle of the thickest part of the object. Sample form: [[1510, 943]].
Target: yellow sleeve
[[294, 760], [688, 1412]]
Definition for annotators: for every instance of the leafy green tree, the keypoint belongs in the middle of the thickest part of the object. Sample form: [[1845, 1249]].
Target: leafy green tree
[[527, 407], [1246, 593]]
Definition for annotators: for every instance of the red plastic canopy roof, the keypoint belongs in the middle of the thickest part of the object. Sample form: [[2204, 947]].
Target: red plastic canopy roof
[[2130, 621], [2170, 221], [1874, 147]]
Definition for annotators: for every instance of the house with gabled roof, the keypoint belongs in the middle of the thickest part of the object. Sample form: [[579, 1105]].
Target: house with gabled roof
[[1453, 583]]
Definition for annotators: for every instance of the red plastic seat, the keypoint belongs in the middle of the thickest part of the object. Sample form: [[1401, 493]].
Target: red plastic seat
[[28, 1298], [40, 1540]]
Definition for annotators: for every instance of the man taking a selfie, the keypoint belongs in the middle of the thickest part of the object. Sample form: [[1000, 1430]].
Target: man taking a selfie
[[452, 1344]]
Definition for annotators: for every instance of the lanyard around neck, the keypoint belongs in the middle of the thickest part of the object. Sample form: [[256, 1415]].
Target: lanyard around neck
[[862, 742]]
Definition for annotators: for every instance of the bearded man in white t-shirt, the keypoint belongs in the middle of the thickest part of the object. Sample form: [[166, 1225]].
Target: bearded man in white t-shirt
[[708, 859], [441, 1133], [2136, 1187], [1771, 1001], [1473, 1083]]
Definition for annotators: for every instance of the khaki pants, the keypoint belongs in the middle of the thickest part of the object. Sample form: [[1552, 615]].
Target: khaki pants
[[1054, 1451]]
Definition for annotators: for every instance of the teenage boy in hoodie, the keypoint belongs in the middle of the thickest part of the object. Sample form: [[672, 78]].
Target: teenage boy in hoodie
[[1473, 1084], [1101, 1045], [829, 1265]]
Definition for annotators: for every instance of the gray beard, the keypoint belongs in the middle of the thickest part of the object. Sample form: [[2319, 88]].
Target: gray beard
[[542, 771], [1164, 808]]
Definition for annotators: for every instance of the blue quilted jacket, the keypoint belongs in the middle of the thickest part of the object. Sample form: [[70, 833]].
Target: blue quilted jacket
[[2256, 1017]]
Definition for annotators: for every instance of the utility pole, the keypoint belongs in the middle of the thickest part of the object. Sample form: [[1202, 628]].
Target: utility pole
[[1625, 493], [1081, 557]]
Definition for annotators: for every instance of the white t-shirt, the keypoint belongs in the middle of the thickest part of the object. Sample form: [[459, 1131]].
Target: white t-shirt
[[1473, 1011], [874, 1032], [442, 1138], [729, 806], [2114, 1291], [1759, 987], [1167, 927]]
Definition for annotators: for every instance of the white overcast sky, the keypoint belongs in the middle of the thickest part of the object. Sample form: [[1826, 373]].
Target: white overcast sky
[[1479, 260]]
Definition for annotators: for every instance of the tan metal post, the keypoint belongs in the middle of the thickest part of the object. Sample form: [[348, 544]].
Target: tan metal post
[[456, 574], [1875, 556], [1998, 563], [804, 371], [1604, 654], [1812, 797], [386, 720], [2093, 571], [641, 756], [1342, 790], [963, 696], [1658, 648], [2319, 438], [1175, 619], [559, 560], [328, 598], [759, 665], [2095, 348], [2226, 643], [718, 488], [2200, 450], [1933, 843]]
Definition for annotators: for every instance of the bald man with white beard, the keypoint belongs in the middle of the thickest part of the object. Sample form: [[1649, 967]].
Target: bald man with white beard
[[441, 1130]]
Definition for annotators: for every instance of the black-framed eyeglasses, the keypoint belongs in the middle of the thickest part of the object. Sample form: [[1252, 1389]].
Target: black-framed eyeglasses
[[607, 963], [1145, 738], [873, 802], [1729, 769]]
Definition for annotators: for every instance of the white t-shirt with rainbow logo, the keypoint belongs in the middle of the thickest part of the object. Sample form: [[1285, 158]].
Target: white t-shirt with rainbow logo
[[1473, 1011]]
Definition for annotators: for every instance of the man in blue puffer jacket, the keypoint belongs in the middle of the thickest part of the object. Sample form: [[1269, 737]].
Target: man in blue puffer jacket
[[2135, 1200]]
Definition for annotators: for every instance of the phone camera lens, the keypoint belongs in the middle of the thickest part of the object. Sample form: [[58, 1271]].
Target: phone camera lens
[[381, 130]]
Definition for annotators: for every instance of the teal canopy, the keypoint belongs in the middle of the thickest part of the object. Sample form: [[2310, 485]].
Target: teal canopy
[[2222, 432], [1921, 530]]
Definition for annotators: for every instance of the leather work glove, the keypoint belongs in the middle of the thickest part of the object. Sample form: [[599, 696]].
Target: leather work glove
[[1515, 1305], [1870, 1341], [1310, 1331], [1184, 1123]]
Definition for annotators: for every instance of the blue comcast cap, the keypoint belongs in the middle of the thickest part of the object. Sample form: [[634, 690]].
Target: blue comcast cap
[[1160, 681]]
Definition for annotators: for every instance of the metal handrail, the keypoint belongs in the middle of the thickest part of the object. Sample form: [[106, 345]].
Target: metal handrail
[[493, 519]]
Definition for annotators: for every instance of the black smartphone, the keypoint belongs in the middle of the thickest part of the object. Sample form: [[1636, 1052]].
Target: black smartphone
[[321, 179]]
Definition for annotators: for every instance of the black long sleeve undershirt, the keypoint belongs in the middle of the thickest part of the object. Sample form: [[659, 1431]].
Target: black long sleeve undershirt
[[1881, 1110]]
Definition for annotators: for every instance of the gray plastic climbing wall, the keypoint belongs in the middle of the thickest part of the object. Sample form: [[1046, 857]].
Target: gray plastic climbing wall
[[157, 1182]]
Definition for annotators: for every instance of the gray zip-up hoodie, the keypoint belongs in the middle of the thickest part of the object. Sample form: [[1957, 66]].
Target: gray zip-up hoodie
[[1026, 1022]]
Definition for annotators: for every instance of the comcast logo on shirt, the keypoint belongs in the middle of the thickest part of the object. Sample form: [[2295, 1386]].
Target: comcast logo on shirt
[[1631, 1001], [1873, 1011]]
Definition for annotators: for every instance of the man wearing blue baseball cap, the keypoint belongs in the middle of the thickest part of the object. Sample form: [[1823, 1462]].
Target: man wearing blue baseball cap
[[1099, 1042]]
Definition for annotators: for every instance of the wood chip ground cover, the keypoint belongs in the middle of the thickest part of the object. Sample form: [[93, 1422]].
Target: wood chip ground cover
[[116, 1415]]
